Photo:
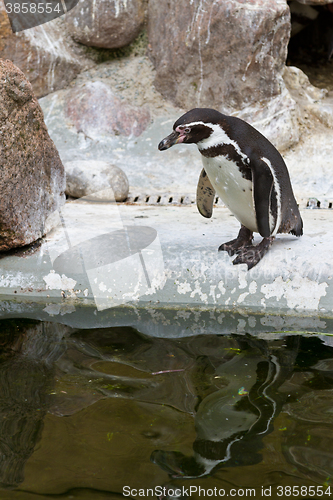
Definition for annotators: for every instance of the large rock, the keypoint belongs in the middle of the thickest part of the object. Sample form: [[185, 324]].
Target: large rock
[[45, 54], [96, 111], [106, 23], [276, 118], [225, 55], [32, 181], [310, 99]]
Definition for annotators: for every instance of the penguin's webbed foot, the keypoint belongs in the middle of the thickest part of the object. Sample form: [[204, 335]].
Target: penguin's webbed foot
[[243, 240], [252, 254]]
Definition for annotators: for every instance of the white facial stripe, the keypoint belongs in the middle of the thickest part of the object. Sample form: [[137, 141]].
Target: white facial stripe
[[191, 124], [278, 195]]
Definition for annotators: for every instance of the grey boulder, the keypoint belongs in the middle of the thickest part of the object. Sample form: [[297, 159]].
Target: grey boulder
[[85, 178]]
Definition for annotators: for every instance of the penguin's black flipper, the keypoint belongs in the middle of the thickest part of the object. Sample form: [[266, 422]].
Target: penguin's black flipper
[[262, 179]]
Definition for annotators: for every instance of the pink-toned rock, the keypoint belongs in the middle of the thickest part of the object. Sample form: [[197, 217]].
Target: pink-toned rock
[[96, 111], [225, 55], [106, 23], [45, 54], [32, 181]]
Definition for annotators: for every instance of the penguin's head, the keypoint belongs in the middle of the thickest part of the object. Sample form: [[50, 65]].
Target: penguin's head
[[193, 127]]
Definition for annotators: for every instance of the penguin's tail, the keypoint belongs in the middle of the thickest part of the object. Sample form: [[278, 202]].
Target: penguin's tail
[[298, 229]]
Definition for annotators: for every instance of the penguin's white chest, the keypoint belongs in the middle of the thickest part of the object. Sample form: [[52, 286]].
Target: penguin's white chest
[[234, 190]]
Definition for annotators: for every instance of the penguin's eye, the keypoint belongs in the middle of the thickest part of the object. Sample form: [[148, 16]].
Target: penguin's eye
[[187, 130]]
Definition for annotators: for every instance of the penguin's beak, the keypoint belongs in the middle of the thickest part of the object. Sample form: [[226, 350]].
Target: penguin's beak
[[171, 140]]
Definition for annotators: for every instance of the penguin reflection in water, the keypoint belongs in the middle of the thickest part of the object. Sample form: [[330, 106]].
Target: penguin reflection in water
[[232, 421], [247, 173]]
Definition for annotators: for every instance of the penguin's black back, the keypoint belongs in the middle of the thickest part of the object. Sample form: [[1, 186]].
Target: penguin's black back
[[256, 147]]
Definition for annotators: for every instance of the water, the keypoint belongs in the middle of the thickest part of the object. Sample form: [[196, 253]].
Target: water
[[100, 413]]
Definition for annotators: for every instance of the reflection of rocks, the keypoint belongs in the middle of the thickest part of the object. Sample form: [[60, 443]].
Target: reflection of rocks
[[23, 388], [309, 449], [96, 111], [32, 182], [48, 60], [98, 359], [313, 407], [25, 380], [88, 177], [106, 23], [319, 461], [306, 442]]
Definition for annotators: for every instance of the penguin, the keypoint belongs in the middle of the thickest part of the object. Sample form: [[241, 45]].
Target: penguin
[[247, 173]]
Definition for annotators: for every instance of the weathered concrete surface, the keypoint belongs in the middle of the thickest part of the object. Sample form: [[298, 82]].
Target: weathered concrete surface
[[106, 23], [32, 180], [290, 289]]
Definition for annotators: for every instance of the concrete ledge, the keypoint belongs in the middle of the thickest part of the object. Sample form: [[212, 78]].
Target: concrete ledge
[[169, 322], [114, 264]]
